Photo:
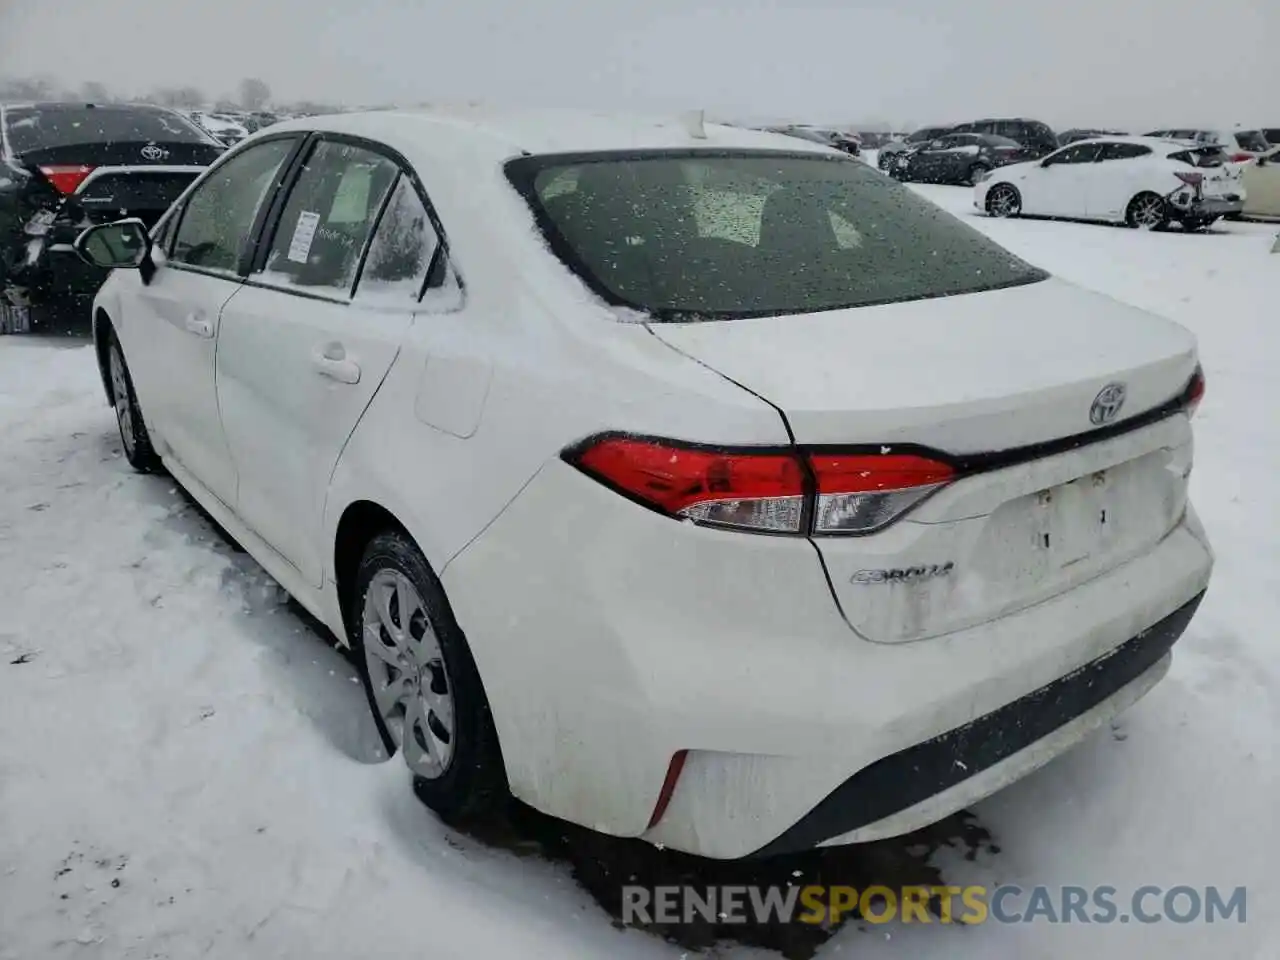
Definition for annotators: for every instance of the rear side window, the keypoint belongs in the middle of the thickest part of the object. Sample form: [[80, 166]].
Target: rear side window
[[403, 250], [40, 128], [328, 217], [1201, 157], [715, 236]]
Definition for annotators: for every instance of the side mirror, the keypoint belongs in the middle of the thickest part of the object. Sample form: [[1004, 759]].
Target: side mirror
[[123, 245]]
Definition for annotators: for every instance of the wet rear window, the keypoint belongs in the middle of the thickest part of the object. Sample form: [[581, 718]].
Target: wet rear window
[[40, 128], [690, 236]]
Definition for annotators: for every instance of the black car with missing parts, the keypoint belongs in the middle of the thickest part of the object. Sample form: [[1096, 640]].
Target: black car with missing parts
[[962, 158], [66, 166]]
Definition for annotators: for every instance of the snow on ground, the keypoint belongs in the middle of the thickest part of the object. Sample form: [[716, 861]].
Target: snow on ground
[[186, 769]]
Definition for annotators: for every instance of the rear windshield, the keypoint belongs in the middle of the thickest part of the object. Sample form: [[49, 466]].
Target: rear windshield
[[690, 236], [1252, 140], [40, 128]]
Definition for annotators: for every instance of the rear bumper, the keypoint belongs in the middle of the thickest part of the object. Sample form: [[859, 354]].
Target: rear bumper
[[1210, 207], [610, 638]]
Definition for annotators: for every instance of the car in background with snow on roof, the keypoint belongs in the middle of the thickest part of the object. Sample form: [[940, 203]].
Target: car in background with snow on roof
[[65, 166], [1240, 145], [1139, 181], [690, 483]]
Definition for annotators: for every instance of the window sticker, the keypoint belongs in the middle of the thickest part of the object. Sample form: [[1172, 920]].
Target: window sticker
[[303, 235]]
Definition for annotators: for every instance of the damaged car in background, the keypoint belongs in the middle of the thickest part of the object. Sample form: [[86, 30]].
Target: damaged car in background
[[67, 166]]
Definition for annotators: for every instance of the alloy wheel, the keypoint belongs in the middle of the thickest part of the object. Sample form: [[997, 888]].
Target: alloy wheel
[[411, 687]]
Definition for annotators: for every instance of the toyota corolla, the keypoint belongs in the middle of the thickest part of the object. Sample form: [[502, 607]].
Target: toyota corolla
[[688, 483]]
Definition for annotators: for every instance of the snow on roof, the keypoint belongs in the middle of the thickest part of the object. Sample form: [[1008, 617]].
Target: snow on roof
[[504, 133]]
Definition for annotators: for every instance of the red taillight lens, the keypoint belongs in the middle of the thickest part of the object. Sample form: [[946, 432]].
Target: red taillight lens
[[745, 489], [864, 493], [1194, 393], [764, 490], [1191, 179], [66, 179], [1241, 157]]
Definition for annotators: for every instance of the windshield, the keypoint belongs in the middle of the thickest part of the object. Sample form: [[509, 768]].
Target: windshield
[[689, 235], [45, 127]]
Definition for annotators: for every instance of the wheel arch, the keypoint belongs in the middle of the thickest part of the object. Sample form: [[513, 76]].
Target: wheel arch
[[361, 521], [103, 331]]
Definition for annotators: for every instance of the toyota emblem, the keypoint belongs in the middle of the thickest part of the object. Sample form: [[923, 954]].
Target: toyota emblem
[[1107, 404], [153, 152]]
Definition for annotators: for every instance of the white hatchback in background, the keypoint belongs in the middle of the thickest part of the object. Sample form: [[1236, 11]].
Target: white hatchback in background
[[1139, 181], [692, 484], [1241, 145]]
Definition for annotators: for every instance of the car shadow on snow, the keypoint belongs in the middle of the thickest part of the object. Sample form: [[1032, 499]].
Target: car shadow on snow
[[301, 653]]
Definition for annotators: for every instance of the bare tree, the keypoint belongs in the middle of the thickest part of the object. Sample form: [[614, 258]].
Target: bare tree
[[27, 88], [254, 93], [225, 105]]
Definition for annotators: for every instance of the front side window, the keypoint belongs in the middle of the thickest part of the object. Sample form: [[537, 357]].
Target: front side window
[[690, 236], [328, 218], [403, 251], [1123, 151], [1078, 153], [220, 213]]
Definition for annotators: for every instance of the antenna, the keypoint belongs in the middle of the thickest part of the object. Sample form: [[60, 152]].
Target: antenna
[[693, 124]]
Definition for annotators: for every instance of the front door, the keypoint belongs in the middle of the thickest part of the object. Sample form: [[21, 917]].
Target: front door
[[179, 311]]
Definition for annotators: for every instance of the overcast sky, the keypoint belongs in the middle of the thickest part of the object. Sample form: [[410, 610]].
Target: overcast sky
[[1132, 63]]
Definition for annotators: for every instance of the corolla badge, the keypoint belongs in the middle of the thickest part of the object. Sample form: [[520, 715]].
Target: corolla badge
[[1106, 405], [153, 152], [904, 574]]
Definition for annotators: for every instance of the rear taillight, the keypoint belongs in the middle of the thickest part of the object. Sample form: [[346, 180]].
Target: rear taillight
[[66, 179], [1191, 179], [1241, 157], [864, 493], [747, 489], [763, 490], [1194, 393]]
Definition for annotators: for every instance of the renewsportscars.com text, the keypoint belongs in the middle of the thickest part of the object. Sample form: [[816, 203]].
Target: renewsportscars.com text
[[934, 904]]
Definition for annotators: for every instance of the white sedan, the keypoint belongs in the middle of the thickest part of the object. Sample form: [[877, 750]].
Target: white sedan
[[688, 483], [1139, 181]]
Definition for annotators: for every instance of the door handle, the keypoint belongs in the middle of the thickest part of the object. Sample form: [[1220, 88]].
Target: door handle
[[197, 324], [332, 361]]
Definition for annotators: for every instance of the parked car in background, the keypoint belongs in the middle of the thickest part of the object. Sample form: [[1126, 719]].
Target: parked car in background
[[1038, 138], [224, 129], [1140, 181], [894, 147], [1261, 181], [66, 165], [844, 142], [956, 158], [912, 566], [1071, 136], [1241, 145]]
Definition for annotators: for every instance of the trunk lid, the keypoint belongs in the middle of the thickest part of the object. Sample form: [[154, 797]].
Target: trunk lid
[[970, 376]]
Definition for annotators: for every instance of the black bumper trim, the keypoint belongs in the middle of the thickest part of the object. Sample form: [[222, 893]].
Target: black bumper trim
[[903, 779]]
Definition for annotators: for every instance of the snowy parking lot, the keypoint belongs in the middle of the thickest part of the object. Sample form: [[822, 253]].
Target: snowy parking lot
[[187, 768]]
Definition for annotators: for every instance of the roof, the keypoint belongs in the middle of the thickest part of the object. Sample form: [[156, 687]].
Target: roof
[[1153, 142], [503, 133]]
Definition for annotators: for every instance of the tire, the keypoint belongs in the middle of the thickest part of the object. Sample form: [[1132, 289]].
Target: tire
[[423, 688], [996, 197], [975, 173], [1147, 211], [882, 160], [129, 420]]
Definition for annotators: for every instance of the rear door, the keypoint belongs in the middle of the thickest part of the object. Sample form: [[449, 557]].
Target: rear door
[[303, 349], [1120, 172]]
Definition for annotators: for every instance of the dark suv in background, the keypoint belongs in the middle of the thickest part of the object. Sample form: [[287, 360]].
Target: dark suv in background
[[1038, 138], [64, 166]]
